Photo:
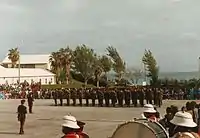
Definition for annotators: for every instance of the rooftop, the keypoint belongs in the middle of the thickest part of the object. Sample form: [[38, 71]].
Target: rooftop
[[24, 72], [30, 59]]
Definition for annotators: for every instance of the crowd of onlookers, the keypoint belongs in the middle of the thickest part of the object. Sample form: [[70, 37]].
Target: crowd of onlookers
[[187, 119]]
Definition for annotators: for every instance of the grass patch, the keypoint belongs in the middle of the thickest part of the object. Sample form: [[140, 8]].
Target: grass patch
[[73, 84]]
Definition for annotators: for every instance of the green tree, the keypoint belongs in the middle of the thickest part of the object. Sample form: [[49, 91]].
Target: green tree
[[118, 64], [84, 62], [106, 64], [13, 55], [151, 66]]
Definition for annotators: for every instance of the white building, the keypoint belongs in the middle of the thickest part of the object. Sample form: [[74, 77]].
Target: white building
[[30, 61], [11, 75]]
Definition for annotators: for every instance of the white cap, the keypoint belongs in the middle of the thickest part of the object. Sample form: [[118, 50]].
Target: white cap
[[70, 121], [148, 108], [183, 119]]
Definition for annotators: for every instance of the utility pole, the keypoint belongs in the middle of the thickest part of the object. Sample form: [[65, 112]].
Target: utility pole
[[19, 71], [19, 63]]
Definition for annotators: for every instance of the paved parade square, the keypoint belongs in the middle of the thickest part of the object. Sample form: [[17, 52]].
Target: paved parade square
[[46, 120]]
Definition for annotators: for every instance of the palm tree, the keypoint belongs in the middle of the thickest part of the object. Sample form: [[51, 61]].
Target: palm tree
[[13, 55], [55, 64], [66, 60], [106, 64]]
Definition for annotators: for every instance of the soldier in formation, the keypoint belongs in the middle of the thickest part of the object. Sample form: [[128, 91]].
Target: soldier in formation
[[116, 97]]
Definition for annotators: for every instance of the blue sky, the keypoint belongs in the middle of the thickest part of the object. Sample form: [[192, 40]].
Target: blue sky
[[170, 28]]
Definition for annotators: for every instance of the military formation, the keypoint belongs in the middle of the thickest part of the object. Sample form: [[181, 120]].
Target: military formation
[[102, 97]]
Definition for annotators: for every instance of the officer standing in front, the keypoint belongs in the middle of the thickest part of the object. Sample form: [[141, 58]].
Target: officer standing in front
[[30, 102], [22, 111]]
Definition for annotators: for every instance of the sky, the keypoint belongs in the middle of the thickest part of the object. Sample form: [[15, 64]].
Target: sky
[[169, 28]]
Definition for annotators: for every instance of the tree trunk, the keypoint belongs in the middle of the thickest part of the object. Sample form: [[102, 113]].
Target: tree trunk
[[106, 76], [57, 76], [67, 73], [86, 81], [97, 83]]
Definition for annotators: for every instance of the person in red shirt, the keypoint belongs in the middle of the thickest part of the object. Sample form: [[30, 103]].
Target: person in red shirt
[[69, 127], [149, 113], [80, 130]]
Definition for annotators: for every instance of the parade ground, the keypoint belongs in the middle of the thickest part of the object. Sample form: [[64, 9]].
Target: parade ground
[[46, 120]]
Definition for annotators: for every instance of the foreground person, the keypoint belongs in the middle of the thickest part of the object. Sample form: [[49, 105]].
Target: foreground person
[[80, 131], [182, 122], [22, 111], [149, 113], [69, 127]]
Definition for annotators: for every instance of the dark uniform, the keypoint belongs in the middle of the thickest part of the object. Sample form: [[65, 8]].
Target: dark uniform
[[100, 97], [160, 97], [120, 97], [67, 97], [134, 95], [30, 102], [141, 97], [80, 97], [127, 98], [22, 111], [55, 96], [87, 97], [113, 97], [74, 96], [149, 96], [93, 97], [60, 96], [107, 98], [155, 96]]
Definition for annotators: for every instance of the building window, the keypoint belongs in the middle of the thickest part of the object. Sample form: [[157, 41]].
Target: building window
[[45, 81]]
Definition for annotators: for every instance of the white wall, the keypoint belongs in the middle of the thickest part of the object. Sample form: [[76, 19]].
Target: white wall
[[44, 80]]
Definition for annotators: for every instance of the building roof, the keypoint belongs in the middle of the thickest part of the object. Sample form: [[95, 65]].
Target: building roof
[[30, 59], [24, 72]]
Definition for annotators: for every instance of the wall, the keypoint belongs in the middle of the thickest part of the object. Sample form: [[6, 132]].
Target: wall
[[44, 80]]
